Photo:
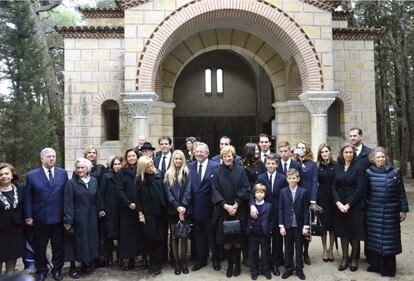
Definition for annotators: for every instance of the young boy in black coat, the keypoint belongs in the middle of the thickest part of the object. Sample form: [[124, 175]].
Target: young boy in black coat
[[259, 231], [293, 222]]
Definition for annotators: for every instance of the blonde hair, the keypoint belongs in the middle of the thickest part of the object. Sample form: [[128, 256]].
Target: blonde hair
[[228, 149], [259, 187], [172, 173], [142, 164], [87, 150]]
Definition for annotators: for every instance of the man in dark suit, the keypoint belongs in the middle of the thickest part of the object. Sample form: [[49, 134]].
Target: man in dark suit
[[286, 162], [163, 161], [224, 140], [355, 138], [202, 207], [264, 144], [43, 209], [274, 182], [293, 223]]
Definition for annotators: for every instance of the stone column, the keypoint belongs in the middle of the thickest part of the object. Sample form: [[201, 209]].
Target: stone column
[[139, 104], [318, 102]]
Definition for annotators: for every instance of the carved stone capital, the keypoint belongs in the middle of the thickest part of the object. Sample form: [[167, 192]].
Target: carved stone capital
[[139, 103], [318, 102]]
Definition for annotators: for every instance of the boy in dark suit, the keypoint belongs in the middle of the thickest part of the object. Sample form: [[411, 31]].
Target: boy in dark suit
[[259, 231], [293, 222]]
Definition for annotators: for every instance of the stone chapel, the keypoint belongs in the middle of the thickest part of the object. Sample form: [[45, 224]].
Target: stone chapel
[[207, 68]]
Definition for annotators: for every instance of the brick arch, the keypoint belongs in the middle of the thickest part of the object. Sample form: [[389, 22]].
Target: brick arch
[[98, 100], [294, 88], [346, 100], [267, 16]]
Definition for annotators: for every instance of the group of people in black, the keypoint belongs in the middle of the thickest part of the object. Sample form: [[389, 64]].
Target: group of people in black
[[136, 207]]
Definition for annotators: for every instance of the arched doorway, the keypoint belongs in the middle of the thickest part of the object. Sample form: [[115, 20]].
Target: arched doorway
[[222, 93]]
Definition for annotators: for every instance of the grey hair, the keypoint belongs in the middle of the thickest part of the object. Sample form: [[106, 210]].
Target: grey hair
[[85, 161], [204, 145], [47, 150], [374, 152]]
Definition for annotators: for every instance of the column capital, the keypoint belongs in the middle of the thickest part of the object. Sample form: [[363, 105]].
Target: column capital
[[139, 103], [318, 102]]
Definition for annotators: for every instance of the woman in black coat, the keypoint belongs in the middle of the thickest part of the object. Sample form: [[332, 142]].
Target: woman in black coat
[[80, 218], [109, 205], [178, 191], [348, 190], [151, 205], [251, 162], [386, 207], [131, 240], [326, 174], [12, 241], [230, 193]]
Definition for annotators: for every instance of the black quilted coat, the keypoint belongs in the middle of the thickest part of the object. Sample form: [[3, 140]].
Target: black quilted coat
[[385, 200]]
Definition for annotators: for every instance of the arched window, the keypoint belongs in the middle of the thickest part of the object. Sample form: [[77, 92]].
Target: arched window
[[334, 112], [207, 79], [110, 110], [219, 81]]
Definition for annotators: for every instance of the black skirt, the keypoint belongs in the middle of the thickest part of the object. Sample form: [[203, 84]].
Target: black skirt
[[12, 242], [350, 225]]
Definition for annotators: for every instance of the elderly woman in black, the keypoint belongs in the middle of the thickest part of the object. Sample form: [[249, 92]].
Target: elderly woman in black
[[109, 207], [386, 205], [80, 218], [12, 241], [178, 190], [348, 189], [231, 191], [151, 205]]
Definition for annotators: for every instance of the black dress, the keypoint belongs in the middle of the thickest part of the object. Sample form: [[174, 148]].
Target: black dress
[[178, 195], [253, 171], [12, 241], [349, 187], [326, 175], [229, 185]]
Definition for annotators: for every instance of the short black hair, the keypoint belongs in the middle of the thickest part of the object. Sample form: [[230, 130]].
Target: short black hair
[[357, 129]]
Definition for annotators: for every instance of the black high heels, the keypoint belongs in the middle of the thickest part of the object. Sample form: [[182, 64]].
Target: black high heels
[[343, 265]]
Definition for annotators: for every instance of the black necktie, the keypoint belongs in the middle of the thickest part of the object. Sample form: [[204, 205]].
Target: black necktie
[[50, 176], [163, 165], [200, 172], [271, 183], [285, 168]]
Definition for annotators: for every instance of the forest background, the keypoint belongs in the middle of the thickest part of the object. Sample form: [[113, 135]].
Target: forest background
[[32, 64]]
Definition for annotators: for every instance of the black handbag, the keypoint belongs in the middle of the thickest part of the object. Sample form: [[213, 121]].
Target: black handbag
[[231, 227], [316, 227], [182, 230]]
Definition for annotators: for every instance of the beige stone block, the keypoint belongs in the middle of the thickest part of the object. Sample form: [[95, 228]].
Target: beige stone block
[[194, 43], [153, 17], [354, 86], [101, 76], [338, 45], [168, 79], [86, 54], [69, 65], [253, 43], [130, 72], [322, 18], [172, 64], [349, 66], [355, 76], [110, 66], [86, 43], [86, 76], [69, 43], [327, 59], [354, 45], [130, 58], [339, 66], [276, 64], [72, 76], [224, 36], [277, 3], [165, 5], [292, 6], [182, 2], [341, 76], [368, 76], [130, 85], [108, 87], [341, 56], [157, 130], [304, 18], [323, 45], [134, 45], [117, 54], [130, 31], [265, 52], [145, 30], [72, 55], [209, 38], [86, 66], [239, 38], [182, 53], [369, 45], [369, 65], [117, 76], [354, 56], [155, 119], [85, 87], [133, 16], [313, 31], [167, 94], [367, 55], [339, 85], [73, 121], [110, 43], [101, 54], [326, 32]]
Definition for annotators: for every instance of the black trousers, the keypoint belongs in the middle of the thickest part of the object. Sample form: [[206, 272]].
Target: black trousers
[[277, 247], [256, 241], [203, 241], [156, 250], [293, 242], [42, 233]]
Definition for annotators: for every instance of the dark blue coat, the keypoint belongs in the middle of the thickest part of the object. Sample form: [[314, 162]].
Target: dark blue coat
[[385, 200], [179, 194], [309, 179], [42, 201], [267, 219], [202, 206], [293, 165], [300, 207]]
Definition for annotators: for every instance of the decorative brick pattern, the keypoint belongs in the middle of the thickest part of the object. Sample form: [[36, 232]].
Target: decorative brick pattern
[[260, 13], [91, 31]]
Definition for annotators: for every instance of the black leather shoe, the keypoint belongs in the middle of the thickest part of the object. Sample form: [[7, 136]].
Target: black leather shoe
[[184, 269], [177, 269], [286, 274], [343, 266], [276, 271], [57, 276], [237, 270], [306, 259], [301, 275], [353, 266], [254, 276], [268, 275], [74, 274], [41, 277], [216, 265], [197, 267]]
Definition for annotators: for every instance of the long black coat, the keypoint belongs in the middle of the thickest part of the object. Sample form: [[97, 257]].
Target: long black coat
[[229, 185], [349, 187], [80, 210], [97, 172], [109, 202], [385, 200], [179, 195], [131, 240], [151, 201], [326, 175]]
